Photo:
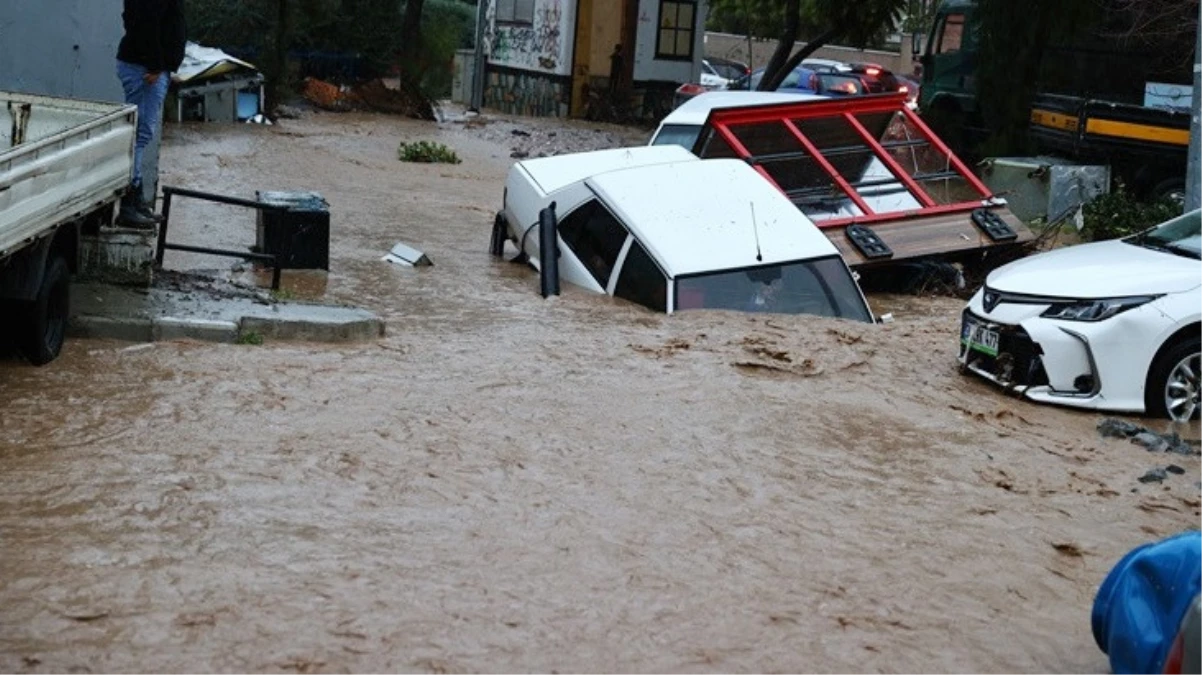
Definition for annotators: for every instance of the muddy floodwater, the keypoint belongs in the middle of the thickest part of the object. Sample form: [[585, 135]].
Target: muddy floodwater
[[505, 483]]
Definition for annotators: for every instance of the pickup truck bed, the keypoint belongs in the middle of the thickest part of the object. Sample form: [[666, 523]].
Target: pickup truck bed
[[59, 159], [1146, 147]]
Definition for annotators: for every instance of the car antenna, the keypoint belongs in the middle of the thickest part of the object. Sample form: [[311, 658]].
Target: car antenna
[[756, 229]]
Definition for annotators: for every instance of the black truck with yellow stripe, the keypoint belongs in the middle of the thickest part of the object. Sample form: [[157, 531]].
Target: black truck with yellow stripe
[[1145, 147]]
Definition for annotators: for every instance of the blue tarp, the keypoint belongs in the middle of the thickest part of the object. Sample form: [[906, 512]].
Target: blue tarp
[[1139, 607]]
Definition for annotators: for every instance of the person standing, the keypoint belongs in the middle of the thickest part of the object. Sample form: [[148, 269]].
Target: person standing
[[152, 48]]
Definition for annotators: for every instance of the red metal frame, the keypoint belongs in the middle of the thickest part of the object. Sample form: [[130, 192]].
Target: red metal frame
[[722, 120]]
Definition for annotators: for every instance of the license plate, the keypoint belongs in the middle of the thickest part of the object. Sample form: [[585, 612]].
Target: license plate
[[979, 338]]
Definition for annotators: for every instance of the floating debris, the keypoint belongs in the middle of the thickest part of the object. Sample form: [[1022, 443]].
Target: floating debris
[[1154, 442]]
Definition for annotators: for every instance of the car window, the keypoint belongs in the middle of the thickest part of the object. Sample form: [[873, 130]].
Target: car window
[[684, 135], [952, 35], [823, 287], [729, 70], [641, 280], [1182, 235], [595, 236]]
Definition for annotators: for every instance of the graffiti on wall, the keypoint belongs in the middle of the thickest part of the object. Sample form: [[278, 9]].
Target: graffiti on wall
[[538, 45]]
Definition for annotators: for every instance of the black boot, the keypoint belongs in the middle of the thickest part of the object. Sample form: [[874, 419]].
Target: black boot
[[131, 215], [146, 208]]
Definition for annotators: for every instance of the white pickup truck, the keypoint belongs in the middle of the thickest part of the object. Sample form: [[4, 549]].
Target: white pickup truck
[[63, 165]]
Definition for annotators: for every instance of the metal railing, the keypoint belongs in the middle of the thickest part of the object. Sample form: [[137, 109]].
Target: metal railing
[[163, 245]]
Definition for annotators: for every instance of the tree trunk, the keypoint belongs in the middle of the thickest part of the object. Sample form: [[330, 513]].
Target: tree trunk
[[277, 66], [795, 60], [411, 38], [787, 37], [411, 62]]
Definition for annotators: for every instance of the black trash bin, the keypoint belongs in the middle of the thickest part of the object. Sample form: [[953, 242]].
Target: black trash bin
[[298, 236]]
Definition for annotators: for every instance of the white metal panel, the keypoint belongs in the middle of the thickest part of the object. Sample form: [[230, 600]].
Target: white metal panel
[[555, 173], [698, 216], [79, 157]]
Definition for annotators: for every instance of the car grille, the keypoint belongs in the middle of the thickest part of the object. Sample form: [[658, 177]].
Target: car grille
[[1019, 361]]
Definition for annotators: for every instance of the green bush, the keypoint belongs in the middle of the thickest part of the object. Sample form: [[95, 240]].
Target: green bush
[[447, 25], [428, 152], [1120, 214]]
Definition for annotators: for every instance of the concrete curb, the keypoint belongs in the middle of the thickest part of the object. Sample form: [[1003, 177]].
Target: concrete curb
[[313, 330], [208, 330], [168, 328], [129, 329]]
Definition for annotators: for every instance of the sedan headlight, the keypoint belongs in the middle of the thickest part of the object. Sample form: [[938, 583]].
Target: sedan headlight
[[1095, 310]]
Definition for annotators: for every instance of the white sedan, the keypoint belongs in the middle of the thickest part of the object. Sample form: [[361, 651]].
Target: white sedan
[[1112, 325]]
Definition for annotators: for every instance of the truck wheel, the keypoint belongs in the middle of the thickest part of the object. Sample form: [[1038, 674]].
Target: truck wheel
[[1172, 189], [46, 321], [1172, 389]]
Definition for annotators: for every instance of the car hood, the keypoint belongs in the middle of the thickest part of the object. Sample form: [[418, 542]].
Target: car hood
[[1104, 269]]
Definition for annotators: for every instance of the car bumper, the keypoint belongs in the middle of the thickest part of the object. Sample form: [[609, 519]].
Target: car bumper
[[1101, 366]]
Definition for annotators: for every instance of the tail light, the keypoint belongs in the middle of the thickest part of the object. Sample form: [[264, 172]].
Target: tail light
[[904, 89], [690, 89], [873, 71]]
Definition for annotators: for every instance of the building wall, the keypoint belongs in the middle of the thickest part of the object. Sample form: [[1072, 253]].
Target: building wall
[[649, 69], [544, 46], [524, 92], [604, 35]]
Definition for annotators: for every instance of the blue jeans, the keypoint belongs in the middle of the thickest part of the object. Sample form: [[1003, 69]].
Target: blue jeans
[[149, 99]]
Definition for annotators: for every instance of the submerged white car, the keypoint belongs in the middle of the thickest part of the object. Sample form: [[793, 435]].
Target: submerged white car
[[1112, 325], [683, 125], [645, 224]]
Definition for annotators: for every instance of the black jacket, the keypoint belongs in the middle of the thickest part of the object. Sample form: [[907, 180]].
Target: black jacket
[[155, 34]]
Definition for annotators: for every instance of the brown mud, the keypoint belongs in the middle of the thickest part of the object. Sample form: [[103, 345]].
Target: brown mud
[[505, 483]]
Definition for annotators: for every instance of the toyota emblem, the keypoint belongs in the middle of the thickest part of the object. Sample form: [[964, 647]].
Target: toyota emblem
[[991, 300]]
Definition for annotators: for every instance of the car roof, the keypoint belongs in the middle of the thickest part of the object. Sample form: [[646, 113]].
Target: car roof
[[560, 171], [690, 227], [697, 109]]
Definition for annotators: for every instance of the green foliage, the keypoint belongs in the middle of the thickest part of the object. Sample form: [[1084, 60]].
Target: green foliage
[[427, 152], [447, 25], [1119, 214], [759, 18], [861, 23], [368, 29], [249, 338]]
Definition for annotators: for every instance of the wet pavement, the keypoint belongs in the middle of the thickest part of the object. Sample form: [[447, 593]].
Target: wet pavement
[[504, 483]]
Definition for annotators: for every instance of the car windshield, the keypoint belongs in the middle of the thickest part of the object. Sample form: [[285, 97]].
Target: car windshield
[[823, 287], [684, 135], [1181, 235]]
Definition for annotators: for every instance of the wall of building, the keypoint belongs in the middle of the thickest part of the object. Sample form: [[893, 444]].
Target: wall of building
[[544, 46], [649, 69], [524, 92]]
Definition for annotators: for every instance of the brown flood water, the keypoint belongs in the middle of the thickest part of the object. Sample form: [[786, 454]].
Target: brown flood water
[[511, 484]]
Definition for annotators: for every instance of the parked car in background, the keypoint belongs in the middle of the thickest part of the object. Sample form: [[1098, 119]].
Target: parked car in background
[[801, 80], [683, 124], [911, 88], [1111, 325], [877, 79], [724, 68], [824, 65]]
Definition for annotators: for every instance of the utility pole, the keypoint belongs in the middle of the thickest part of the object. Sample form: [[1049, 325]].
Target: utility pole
[[1193, 174], [478, 62]]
